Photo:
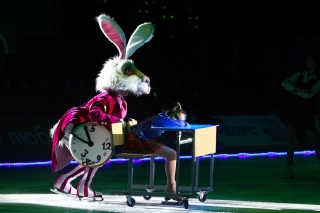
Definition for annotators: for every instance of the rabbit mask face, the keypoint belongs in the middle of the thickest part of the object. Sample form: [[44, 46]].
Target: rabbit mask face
[[119, 73], [123, 76]]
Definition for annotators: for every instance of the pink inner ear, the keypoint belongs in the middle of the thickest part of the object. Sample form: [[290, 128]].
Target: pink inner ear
[[114, 36]]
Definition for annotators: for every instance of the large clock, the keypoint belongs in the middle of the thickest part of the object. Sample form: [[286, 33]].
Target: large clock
[[90, 144]]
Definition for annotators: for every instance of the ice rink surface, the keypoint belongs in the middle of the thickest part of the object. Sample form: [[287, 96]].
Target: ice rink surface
[[114, 203]]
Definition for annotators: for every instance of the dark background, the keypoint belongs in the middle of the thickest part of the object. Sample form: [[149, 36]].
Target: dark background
[[245, 48], [215, 57]]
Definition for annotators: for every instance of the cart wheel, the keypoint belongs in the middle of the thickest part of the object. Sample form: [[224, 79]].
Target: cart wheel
[[203, 199], [147, 197], [132, 203], [185, 204]]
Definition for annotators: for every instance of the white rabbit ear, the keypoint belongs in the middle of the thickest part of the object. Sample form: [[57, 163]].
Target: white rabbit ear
[[141, 35], [114, 33]]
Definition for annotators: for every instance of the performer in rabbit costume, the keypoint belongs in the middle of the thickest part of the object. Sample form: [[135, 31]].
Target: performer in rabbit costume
[[119, 77]]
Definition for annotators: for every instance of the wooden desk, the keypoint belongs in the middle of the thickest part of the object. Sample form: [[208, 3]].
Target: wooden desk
[[203, 143]]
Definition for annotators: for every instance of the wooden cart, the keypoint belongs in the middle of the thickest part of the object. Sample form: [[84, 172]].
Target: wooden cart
[[203, 139]]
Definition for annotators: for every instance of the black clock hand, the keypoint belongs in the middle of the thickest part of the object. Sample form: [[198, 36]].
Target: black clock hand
[[90, 143], [87, 133]]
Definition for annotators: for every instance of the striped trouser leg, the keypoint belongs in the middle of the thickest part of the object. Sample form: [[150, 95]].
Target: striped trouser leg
[[64, 181], [83, 188]]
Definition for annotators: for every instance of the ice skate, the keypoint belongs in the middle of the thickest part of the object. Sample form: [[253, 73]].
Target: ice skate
[[84, 190], [61, 192], [64, 188], [289, 174], [172, 201], [176, 200], [63, 183], [90, 194]]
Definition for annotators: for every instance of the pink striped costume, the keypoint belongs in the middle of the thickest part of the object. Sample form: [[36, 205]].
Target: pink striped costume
[[118, 77], [115, 109]]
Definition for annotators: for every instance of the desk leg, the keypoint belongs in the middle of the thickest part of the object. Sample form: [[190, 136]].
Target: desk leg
[[193, 167], [178, 135], [130, 174], [152, 167], [211, 170], [197, 172]]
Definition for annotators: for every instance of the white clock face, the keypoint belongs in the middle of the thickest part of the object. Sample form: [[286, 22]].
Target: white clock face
[[90, 144]]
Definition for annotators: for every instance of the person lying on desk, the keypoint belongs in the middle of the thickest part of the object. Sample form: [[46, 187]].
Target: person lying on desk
[[142, 140]]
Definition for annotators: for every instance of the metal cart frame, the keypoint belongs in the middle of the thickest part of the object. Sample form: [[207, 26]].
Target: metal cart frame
[[203, 143]]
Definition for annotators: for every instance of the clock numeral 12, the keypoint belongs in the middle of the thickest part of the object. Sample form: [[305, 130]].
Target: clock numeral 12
[[106, 146]]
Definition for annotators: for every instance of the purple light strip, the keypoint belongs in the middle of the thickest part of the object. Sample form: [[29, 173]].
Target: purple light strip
[[221, 156]]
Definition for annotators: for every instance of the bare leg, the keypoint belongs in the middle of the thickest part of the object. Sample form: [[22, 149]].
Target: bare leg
[[313, 138], [170, 167], [292, 134]]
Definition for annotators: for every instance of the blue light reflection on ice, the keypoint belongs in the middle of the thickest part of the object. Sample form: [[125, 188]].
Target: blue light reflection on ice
[[220, 156]]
